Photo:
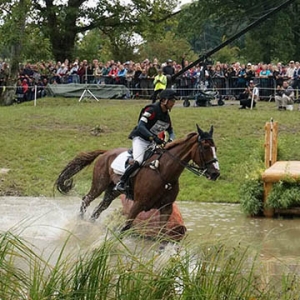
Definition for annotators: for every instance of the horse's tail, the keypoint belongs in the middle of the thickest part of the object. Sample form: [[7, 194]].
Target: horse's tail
[[64, 182]]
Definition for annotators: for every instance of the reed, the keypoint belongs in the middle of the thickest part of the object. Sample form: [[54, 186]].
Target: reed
[[114, 270]]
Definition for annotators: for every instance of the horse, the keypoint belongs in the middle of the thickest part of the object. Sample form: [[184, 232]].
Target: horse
[[156, 184]]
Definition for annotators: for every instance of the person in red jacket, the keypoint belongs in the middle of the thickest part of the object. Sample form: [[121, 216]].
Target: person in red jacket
[[25, 89]]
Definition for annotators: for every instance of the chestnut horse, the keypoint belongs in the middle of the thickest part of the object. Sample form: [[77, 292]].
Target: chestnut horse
[[155, 185]]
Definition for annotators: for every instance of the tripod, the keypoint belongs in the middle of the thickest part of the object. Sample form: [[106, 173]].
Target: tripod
[[86, 90]]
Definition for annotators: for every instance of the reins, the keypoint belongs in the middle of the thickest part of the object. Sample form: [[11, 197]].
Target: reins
[[191, 166]]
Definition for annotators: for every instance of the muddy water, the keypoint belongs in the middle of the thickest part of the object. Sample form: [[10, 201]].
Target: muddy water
[[47, 222]]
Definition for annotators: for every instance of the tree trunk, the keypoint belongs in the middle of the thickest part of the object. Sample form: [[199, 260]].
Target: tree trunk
[[62, 32], [8, 93]]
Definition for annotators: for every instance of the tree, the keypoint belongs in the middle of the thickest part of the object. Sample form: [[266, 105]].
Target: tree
[[13, 35], [167, 47], [204, 23], [64, 22]]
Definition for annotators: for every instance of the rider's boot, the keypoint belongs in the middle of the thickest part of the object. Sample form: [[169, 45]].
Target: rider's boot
[[120, 186]]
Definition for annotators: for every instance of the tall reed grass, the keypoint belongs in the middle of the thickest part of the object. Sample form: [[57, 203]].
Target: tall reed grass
[[114, 270]]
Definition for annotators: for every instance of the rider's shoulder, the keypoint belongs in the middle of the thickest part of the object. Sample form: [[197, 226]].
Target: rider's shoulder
[[150, 107]]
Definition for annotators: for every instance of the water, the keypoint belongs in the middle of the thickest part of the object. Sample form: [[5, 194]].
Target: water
[[47, 222]]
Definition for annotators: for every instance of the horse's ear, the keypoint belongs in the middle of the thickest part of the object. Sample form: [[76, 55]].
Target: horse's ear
[[200, 131], [211, 131]]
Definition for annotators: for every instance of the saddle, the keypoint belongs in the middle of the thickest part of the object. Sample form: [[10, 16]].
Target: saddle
[[121, 162]]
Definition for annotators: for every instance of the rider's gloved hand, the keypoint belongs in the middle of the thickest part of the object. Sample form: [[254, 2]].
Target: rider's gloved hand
[[158, 141]]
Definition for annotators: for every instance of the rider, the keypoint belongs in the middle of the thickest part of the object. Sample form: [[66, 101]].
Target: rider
[[153, 119]]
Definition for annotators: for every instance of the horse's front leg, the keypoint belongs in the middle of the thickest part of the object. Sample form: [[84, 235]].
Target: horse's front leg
[[109, 196], [165, 213], [134, 211]]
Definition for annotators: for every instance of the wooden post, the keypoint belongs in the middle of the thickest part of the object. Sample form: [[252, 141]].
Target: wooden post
[[271, 132], [268, 212]]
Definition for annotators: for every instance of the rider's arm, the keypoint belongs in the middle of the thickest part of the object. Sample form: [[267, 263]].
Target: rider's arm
[[144, 131], [171, 134], [148, 114]]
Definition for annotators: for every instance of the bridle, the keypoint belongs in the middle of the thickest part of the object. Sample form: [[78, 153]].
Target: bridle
[[193, 167]]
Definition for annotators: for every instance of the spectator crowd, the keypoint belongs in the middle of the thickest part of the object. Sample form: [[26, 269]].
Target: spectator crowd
[[230, 80]]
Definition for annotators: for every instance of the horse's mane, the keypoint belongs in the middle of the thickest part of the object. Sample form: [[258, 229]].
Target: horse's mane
[[180, 141]]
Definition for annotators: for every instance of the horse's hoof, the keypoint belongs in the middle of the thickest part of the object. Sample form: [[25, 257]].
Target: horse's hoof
[[81, 213], [93, 218], [162, 246]]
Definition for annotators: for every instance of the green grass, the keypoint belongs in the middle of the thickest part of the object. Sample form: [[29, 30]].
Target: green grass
[[36, 142]]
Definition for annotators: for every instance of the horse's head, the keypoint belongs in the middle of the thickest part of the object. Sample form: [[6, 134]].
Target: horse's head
[[205, 155]]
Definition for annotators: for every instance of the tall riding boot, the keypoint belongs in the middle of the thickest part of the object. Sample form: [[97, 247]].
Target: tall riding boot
[[120, 186]]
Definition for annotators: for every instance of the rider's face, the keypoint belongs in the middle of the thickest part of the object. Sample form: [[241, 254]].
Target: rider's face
[[170, 104]]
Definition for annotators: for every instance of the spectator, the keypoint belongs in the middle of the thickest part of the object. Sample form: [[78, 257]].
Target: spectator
[[290, 71], [129, 75], [251, 96], [160, 84], [284, 96], [230, 74], [241, 81], [121, 75], [25, 89], [137, 80], [296, 77], [218, 79], [61, 73], [41, 88], [250, 74], [112, 74], [264, 75], [144, 82], [73, 73], [19, 92], [90, 73], [169, 71]]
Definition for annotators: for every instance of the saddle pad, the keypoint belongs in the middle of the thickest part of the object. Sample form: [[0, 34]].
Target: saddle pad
[[118, 165]]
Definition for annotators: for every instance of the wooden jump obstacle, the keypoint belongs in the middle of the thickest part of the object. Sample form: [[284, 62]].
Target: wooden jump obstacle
[[276, 170]]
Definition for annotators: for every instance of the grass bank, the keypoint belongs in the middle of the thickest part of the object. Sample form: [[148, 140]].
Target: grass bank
[[36, 142]]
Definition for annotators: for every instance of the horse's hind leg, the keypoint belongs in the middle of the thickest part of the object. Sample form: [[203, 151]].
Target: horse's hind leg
[[109, 196], [94, 192]]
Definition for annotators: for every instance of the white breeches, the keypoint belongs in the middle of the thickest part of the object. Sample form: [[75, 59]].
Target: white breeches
[[139, 147]]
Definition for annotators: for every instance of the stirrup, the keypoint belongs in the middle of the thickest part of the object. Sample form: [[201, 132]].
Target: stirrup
[[120, 186]]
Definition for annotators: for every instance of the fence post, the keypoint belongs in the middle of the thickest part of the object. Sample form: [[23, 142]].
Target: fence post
[[271, 132], [35, 94]]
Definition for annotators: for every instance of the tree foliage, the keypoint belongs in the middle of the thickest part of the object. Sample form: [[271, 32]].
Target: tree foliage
[[63, 23], [205, 23]]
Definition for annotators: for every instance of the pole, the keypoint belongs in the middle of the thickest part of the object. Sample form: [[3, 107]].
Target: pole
[[35, 94], [252, 99], [271, 142]]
